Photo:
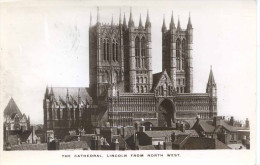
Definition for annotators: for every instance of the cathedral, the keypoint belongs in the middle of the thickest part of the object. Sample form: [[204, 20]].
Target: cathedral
[[123, 89]]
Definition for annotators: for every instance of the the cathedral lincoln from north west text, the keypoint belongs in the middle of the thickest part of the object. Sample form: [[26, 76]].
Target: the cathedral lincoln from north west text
[[123, 90]]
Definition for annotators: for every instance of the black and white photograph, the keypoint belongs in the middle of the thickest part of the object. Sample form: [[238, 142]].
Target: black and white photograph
[[139, 80]]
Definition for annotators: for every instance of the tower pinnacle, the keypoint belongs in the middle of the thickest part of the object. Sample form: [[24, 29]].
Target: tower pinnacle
[[178, 25], [172, 25], [189, 26], [163, 26], [124, 22], [98, 19], [140, 22], [147, 23], [131, 22]]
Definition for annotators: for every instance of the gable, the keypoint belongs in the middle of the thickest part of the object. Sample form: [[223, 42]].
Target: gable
[[163, 85]]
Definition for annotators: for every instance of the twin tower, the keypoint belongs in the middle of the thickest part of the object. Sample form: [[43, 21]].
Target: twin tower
[[122, 55]]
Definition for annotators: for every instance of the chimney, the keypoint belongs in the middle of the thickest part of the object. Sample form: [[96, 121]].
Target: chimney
[[173, 136], [182, 127], [142, 128], [232, 122], [116, 145], [216, 120], [247, 123], [160, 147], [93, 145]]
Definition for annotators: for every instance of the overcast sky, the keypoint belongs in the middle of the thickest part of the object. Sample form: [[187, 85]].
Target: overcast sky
[[46, 43]]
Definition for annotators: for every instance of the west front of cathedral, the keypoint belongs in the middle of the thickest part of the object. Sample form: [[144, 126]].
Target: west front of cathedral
[[123, 89]]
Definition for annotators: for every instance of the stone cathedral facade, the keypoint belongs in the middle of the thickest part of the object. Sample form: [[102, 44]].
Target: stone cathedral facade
[[123, 90]]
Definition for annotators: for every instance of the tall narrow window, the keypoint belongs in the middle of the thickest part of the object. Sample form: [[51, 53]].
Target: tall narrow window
[[108, 56], [114, 51], [183, 47], [178, 46], [143, 52], [104, 50], [137, 51]]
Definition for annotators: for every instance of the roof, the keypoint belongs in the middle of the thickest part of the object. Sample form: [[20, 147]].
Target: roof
[[180, 139], [205, 126], [204, 143], [148, 147], [11, 109], [42, 146], [225, 126], [73, 145], [60, 94], [122, 143], [166, 133], [24, 135]]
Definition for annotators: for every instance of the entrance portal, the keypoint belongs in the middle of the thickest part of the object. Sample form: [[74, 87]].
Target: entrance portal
[[165, 113]]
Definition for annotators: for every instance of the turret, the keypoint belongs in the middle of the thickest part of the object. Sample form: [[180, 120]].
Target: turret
[[211, 85], [212, 91], [189, 65]]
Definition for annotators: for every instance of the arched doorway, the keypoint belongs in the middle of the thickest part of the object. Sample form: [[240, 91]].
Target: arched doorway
[[165, 113]]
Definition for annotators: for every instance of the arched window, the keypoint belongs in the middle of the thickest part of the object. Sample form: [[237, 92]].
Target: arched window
[[115, 77], [145, 79], [141, 79], [137, 89], [58, 114], [142, 89], [105, 77], [137, 51], [137, 79], [145, 89]]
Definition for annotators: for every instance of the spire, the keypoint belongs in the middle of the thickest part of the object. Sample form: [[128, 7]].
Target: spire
[[112, 21], [90, 19], [120, 17], [51, 93], [124, 22], [98, 19], [178, 25], [46, 92], [147, 23], [67, 92], [211, 81], [130, 22], [189, 26], [140, 22], [163, 26], [172, 25]]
